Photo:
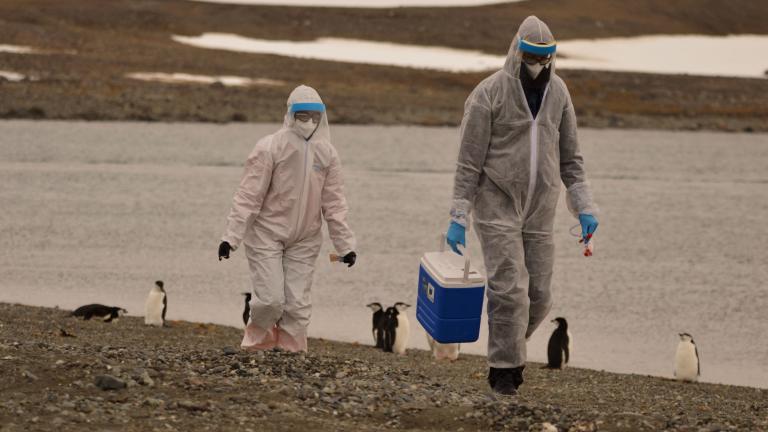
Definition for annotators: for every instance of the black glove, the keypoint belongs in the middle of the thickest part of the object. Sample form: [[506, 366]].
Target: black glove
[[349, 259], [224, 249]]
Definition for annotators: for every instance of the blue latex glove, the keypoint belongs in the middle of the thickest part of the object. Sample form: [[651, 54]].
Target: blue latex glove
[[456, 236], [588, 226]]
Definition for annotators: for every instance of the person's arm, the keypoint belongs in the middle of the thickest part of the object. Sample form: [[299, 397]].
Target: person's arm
[[578, 191], [249, 197], [335, 208], [475, 135]]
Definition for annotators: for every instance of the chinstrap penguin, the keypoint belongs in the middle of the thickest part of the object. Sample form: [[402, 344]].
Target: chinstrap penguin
[[687, 363], [559, 346], [378, 324], [104, 313], [397, 329], [156, 305]]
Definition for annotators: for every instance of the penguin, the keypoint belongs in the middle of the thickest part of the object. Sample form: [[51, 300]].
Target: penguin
[[397, 328], [156, 305], [378, 327], [687, 364], [443, 351], [559, 346], [105, 313], [247, 309]]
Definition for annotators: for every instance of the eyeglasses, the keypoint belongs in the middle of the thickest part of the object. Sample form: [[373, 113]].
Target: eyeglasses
[[532, 59], [307, 115]]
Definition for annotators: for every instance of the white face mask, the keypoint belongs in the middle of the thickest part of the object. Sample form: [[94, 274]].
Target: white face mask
[[535, 69], [306, 128]]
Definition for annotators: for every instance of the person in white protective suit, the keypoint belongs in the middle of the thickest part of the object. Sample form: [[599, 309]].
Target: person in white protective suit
[[292, 181], [518, 142]]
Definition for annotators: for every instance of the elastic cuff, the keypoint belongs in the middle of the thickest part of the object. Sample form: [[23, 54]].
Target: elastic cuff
[[579, 199], [233, 245], [460, 211]]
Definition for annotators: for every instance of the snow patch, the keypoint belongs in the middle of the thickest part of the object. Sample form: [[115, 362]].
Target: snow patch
[[353, 51], [734, 55], [372, 4], [183, 78], [16, 49], [12, 76]]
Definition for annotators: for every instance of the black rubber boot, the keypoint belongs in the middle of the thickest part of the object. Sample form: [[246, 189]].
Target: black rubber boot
[[505, 381]]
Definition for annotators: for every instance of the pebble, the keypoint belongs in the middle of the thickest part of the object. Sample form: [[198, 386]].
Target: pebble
[[153, 402], [29, 375], [109, 382], [543, 427], [193, 406], [228, 351]]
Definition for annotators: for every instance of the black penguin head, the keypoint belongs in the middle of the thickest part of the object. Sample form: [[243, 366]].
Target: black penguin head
[[160, 285], [391, 312], [686, 337], [247, 296], [401, 307], [375, 306], [561, 323], [121, 311]]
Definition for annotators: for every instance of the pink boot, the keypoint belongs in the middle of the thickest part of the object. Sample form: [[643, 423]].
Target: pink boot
[[257, 339], [291, 343]]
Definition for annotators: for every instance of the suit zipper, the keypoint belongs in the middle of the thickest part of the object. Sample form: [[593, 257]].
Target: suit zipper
[[534, 171]]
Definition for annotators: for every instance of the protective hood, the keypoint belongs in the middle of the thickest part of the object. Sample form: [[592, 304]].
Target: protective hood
[[532, 30], [307, 95]]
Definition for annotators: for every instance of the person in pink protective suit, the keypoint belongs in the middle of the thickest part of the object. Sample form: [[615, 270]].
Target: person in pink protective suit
[[292, 181]]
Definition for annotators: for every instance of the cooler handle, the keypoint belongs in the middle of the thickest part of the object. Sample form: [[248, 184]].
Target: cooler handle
[[444, 241]]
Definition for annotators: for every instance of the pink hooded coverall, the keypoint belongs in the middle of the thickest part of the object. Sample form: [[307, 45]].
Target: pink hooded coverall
[[289, 183]]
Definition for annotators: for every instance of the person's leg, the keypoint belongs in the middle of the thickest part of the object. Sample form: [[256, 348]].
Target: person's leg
[[498, 223], [298, 267], [539, 259], [266, 265], [508, 302]]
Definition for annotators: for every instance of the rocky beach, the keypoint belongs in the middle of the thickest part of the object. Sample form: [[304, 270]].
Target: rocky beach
[[60, 372]]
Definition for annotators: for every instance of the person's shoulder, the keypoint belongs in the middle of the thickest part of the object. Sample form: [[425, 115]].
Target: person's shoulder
[[556, 83], [267, 144], [485, 90], [327, 149], [490, 82]]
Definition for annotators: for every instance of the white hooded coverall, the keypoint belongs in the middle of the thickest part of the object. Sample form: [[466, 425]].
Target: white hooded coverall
[[288, 184], [509, 170]]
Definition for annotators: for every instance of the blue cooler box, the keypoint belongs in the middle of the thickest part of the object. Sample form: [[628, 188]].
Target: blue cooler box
[[450, 298]]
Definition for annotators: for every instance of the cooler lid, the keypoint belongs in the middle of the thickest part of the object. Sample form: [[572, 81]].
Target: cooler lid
[[449, 267]]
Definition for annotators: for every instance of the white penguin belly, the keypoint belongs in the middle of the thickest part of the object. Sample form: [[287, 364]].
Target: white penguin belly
[[153, 310], [686, 362], [402, 334]]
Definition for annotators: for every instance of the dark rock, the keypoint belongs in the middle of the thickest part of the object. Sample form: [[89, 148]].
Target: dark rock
[[108, 382], [193, 406], [228, 351]]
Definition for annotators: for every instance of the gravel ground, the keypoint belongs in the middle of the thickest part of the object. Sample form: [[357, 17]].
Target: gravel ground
[[70, 374]]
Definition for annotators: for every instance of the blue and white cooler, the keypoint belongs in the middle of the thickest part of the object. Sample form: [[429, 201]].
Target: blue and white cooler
[[451, 294]]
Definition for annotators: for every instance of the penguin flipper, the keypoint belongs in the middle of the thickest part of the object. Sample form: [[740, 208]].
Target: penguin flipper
[[567, 352], [698, 360]]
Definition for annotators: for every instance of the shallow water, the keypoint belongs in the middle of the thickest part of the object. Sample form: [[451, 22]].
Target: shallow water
[[96, 212]]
